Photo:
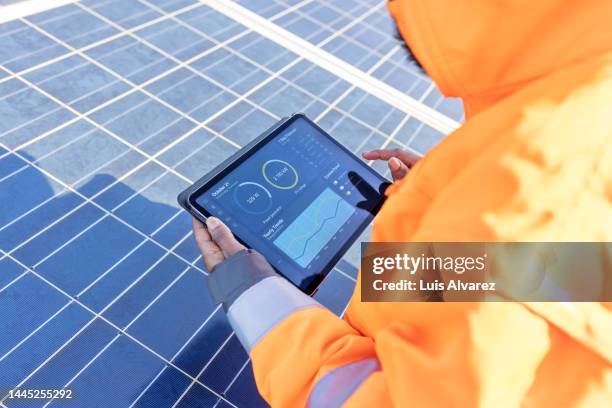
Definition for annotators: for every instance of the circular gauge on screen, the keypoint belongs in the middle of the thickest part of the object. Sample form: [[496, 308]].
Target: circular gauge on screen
[[280, 174], [252, 197]]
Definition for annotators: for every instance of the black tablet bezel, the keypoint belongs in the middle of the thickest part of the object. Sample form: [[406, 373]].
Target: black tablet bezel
[[242, 156]]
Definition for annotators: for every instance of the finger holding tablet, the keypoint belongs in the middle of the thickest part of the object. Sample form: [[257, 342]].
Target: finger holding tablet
[[215, 241]]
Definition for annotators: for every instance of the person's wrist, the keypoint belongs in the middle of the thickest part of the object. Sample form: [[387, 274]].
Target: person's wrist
[[236, 274]]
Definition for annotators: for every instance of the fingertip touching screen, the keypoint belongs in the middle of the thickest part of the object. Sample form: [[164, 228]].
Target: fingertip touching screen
[[298, 197]]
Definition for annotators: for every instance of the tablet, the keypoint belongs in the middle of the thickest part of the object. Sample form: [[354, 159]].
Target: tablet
[[295, 195]]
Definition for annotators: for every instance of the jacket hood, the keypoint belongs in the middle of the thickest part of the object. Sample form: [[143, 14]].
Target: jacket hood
[[484, 50]]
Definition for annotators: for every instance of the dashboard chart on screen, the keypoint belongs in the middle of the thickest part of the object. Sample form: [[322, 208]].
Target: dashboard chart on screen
[[299, 194]]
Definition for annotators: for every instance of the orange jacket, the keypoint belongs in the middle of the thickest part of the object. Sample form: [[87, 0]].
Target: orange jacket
[[533, 162]]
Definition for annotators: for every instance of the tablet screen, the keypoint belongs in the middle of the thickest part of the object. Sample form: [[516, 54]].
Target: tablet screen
[[298, 197]]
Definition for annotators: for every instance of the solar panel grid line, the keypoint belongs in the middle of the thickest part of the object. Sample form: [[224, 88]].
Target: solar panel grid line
[[36, 207], [335, 65], [331, 28], [136, 281], [351, 89], [108, 345], [297, 17], [157, 297], [363, 97], [194, 262], [50, 357], [86, 48], [219, 113], [136, 193], [90, 362], [233, 380], [439, 101], [9, 284], [172, 359], [142, 189], [350, 39], [165, 224], [61, 192], [146, 389], [137, 88], [98, 315], [396, 130], [369, 136], [169, 56], [275, 74], [94, 44], [265, 68], [315, 99], [276, 93], [111, 268], [153, 181], [157, 154], [172, 15], [24, 8], [70, 121], [92, 122], [414, 134], [41, 326], [192, 336], [103, 105], [61, 17], [88, 200], [194, 382], [345, 28], [417, 73], [74, 210], [365, 4], [287, 7], [303, 73], [196, 332], [12, 173], [344, 310], [81, 136], [119, 296], [345, 113], [72, 239], [390, 136], [85, 134], [412, 137]]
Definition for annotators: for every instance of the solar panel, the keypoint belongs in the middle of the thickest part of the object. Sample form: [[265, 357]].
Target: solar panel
[[108, 109], [362, 33]]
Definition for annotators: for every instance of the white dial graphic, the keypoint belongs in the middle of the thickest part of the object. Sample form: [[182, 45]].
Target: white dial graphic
[[252, 197], [280, 174]]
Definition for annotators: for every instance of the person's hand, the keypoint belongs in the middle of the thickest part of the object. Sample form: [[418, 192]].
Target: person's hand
[[215, 241], [399, 161]]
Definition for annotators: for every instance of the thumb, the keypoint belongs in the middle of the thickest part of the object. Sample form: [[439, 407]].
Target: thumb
[[398, 169], [221, 234]]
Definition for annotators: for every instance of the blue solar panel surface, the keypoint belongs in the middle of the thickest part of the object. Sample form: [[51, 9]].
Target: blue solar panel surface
[[108, 109]]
